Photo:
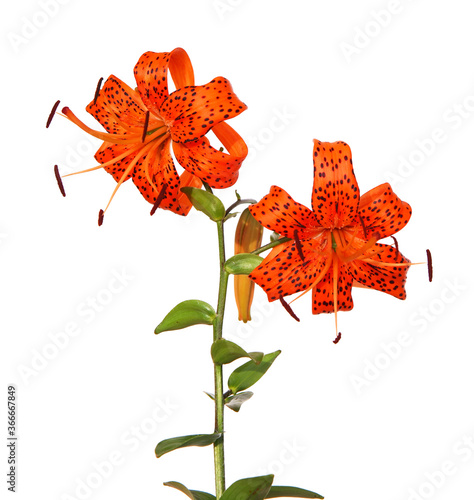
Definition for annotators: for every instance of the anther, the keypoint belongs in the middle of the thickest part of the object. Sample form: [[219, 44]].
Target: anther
[[337, 339], [298, 244], [101, 217], [288, 309], [430, 265], [51, 115], [159, 199], [363, 226], [396, 245], [145, 127], [97, 90], [59, 180]]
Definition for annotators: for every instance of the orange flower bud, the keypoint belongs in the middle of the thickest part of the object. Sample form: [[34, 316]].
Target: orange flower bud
[[248, 237]]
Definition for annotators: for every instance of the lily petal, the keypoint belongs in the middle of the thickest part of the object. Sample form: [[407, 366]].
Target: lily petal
[[192, 111], [336, 194], [382, 211], [278, 212], [118, 108], [283, 273], [151, 74], [323, 292], [379, 271]]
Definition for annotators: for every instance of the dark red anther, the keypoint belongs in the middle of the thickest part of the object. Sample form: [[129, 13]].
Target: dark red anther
[[363, 226], [298, 244], [430, 266], [97, 90], [59, 180], [51, 115], [145, 127], [288, 309], [159, 199], [396, 245], [101, 217], [337, 339]]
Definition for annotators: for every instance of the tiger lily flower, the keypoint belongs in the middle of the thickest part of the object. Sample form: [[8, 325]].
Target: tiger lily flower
[[142, 126], [334, 246]]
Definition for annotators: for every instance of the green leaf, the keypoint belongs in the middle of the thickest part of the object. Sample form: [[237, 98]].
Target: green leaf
[[251, 488], [193, 494], [205, 202], [242, 263], [187, 313], [291, 492], [249, 373], [235, 401], [184, 441], [224, 351]]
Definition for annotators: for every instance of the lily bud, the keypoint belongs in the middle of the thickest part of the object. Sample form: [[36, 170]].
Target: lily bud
[[248, 237]]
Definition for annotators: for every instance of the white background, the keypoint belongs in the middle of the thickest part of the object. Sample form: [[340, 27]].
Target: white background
[[373, 417]]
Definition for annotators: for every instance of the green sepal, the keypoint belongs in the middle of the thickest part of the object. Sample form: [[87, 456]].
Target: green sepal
[[235, 401], [249, 373], [242, 263], [291, 492], [251, 488], [184, 441], [192, 494], [205, 202], [187, 313], [224, 351]]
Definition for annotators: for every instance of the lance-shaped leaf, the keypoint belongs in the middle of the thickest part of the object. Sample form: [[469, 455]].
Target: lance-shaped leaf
[[187, 313], [205, 202], [251, 488], [242, 263], [193, 494], [235, 401], [184, 441], [224, 351], [291, 492], [249, 373]]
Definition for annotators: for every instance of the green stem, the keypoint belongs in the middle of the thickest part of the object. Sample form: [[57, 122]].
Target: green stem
[[218, 379], [271, 245]]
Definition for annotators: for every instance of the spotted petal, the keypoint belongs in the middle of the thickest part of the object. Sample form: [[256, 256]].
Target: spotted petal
[[283, 272], [278, 212], [378, 270], [118, 108], [383, 212], [151, 74], [323, 292], [192, 111], [335, 197]]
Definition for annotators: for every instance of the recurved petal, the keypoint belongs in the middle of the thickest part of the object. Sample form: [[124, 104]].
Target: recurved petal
[[118, 108], [151, 75], [283, 272], [191, 111], [378, 270], [335, 197], [278, 212], [323, 292], [218, 169], [153, 172], [382, 211], [116, 158]]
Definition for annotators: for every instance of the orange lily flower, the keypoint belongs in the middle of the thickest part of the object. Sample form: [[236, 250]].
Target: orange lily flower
[[334, 246], [143, 124]]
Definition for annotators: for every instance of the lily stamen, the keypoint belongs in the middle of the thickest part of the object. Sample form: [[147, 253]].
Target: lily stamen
[[298, 244], [59, 180], [159, 199], [430, 265], [145, 127], [288, 309], [51, 115], [97, 90]]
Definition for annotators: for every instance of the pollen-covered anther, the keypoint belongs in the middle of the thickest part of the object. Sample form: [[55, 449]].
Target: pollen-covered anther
[[159, 198], [337, 339], [396, 245], [288, 309], [59, 180], [101, 217], [53, 112], [145, 127], [97, 90], [299, 247], [430, 265]]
